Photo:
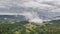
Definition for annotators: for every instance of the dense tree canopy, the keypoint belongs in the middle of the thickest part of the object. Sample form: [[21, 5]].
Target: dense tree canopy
[[24, 27]]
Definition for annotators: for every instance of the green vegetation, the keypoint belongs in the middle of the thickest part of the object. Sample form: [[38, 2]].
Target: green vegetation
[[24, 27]]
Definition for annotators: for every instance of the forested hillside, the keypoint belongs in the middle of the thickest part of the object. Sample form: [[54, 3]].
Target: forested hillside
[[25, 27]]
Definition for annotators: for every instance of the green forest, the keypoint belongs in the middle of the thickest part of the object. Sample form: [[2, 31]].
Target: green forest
[[25, 27]]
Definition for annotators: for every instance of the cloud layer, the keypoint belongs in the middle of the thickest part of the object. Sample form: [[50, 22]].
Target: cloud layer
[[40, 9]]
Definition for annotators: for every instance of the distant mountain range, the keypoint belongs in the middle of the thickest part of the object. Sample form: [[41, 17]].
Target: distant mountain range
[[12, 17], [55, 21], [17, 17]]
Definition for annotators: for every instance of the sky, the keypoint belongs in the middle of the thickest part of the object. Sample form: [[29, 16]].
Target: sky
[[40, 9]]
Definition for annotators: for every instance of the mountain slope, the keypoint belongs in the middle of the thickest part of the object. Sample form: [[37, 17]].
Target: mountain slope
[[12, 17]]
